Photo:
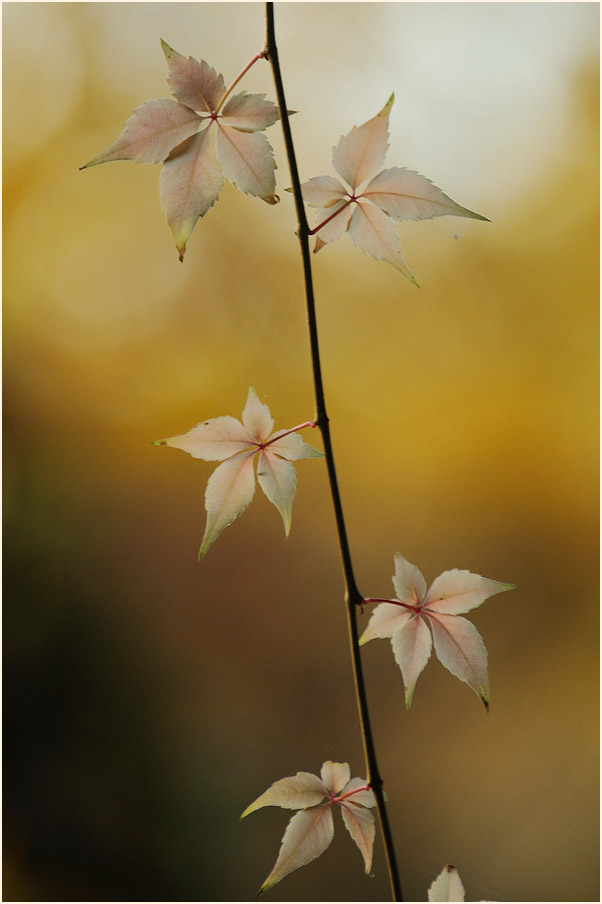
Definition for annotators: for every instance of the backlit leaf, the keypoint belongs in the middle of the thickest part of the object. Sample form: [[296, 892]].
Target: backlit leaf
[[278, 480], [307, 835], [248, 162], [196, 140], [447, 886], [385, 621], [408, 581], [293, 447], [335, 775], [455, 591], [361, 794], [249, 112], [229, 491], [372, 231], [460, 648], [396, 192], [189, 185], [323, 191], [360, 825], [412, 648], [340, 215], [310, 832], [213, 440], [458, 644], [406, 195], [194, 83], [359, 154], [231, 487], [152, 131], [295, 792], [256, 417]]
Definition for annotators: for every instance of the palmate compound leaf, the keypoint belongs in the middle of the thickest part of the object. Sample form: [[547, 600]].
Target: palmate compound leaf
[[406, 621], [310, 831], [231, 487], [199, 139], [364, 213]]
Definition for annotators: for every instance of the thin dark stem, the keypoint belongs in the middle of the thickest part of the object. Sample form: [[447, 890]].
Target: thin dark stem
[[353, 598]]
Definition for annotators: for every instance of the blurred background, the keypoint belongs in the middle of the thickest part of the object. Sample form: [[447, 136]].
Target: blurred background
[[149, 698]]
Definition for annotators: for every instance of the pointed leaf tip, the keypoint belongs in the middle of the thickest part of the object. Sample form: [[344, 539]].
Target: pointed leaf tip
[[167, 50]]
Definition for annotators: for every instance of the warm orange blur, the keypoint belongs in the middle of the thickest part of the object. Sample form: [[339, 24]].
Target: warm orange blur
[[150, 698]]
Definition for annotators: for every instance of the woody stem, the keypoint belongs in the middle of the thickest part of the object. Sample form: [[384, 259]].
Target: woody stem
[[353, 598]]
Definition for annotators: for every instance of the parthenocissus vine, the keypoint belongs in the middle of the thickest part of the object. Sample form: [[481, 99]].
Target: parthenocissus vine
[[206, 135]]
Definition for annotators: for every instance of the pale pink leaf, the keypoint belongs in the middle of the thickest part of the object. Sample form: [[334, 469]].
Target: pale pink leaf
[[293, 793], [293, 447], [153, 130], [213, 440], [307, 835], [447, 886], [229, 491], [457, 591], [360, 825], [278, 480], [460, 648], [361, 153], [364, 797], [338, 218], [257, 418], [372, 231], [195, 84], [335, 775], [406, 195], [248, 162], [189, 185], [412, 647], [386, 619], [323, 191], [408, 581], [249, 112]]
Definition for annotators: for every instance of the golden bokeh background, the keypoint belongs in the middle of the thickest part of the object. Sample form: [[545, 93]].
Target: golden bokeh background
[[149, 698]]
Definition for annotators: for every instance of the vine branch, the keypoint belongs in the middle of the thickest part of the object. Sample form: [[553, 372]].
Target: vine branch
[[353, 598]]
